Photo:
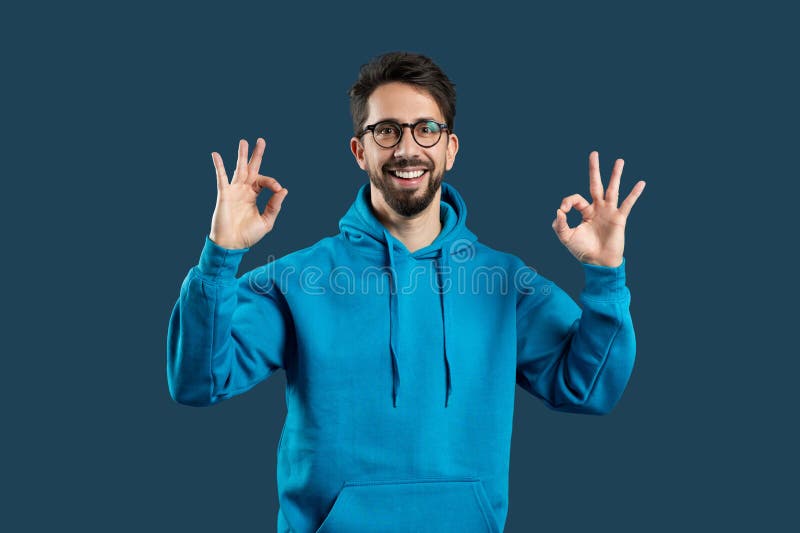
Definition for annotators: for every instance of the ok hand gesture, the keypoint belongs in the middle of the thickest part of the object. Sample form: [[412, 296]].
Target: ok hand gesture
[[600, 237], [236, 222]]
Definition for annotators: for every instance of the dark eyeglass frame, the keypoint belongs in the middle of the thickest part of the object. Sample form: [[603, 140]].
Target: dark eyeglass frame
[[371, 127]]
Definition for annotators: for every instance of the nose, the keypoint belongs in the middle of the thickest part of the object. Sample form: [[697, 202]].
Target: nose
[[407, 145]]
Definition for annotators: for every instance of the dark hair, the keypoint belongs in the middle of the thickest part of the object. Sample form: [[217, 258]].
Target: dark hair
[[407, 67]]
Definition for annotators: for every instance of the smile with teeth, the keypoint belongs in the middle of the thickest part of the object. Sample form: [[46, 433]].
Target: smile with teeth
[[407, 175]]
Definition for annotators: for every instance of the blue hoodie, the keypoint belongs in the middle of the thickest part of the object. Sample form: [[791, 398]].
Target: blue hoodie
[[400, 367]]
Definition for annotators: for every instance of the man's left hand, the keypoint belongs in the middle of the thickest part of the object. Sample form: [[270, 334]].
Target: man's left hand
[[600, 237]]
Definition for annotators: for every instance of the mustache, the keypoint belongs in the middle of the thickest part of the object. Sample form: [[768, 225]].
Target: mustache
[[400, 164]]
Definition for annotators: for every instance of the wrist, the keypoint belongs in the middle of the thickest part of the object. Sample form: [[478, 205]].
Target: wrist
[[225, 244]]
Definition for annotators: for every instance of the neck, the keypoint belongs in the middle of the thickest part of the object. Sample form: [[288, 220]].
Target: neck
[[414, 232]]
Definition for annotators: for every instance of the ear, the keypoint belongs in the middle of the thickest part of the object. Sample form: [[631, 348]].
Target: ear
[[358, 152], [452, 150]]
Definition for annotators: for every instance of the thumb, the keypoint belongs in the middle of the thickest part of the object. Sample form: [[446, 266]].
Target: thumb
[[273, 206], [560, 223]]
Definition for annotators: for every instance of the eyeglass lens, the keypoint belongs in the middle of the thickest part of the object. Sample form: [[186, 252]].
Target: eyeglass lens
[[387, 134]]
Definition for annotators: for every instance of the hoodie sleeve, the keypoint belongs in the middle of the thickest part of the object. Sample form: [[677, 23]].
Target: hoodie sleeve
[[225, 334], [576, 360]]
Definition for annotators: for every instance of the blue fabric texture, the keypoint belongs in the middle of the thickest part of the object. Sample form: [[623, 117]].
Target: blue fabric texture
[[400, 367]]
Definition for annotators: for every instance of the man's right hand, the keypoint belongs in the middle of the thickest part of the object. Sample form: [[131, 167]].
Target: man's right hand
[[236, 222]]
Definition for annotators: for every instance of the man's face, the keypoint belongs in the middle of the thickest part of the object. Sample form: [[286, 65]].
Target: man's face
[[404, 103]]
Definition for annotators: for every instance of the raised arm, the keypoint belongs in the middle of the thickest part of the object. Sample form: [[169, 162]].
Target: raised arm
[[579, 359], [227, 334]]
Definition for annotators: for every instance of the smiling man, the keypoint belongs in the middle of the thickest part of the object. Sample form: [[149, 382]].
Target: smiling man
[[408, 156], [402, 337]]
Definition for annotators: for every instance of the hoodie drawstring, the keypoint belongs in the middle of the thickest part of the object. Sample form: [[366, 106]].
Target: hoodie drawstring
[[445, 318], [393, 320], [394, 303]]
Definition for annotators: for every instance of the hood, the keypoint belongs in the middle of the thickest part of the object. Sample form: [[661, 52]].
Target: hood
[[361, 228]]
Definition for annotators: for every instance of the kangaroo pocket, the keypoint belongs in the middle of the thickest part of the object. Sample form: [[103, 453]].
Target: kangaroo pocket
[[441, 505]]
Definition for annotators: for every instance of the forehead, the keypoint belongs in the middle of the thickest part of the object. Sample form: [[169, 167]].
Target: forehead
[[403, 102]]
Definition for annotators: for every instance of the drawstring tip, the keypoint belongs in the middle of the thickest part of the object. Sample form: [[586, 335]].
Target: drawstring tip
[[448, 379], [395, 379]]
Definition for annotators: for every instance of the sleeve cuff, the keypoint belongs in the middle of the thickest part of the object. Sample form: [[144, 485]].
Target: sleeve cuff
[[217, 262], [603, 282]]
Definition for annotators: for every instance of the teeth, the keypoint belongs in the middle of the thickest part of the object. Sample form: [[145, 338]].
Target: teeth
[[409, 175]]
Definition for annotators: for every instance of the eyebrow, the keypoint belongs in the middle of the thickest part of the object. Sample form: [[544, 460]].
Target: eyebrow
[[398, 120]]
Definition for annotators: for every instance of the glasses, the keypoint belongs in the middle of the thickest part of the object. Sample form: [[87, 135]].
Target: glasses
[[388, 132]]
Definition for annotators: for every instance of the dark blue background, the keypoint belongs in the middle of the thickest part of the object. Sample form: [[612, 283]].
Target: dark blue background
[[109, 119]]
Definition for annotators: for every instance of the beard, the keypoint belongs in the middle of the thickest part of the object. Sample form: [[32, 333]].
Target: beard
[[407, 202]]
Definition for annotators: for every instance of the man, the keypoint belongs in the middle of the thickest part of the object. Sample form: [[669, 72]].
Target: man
[[401, 337]]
